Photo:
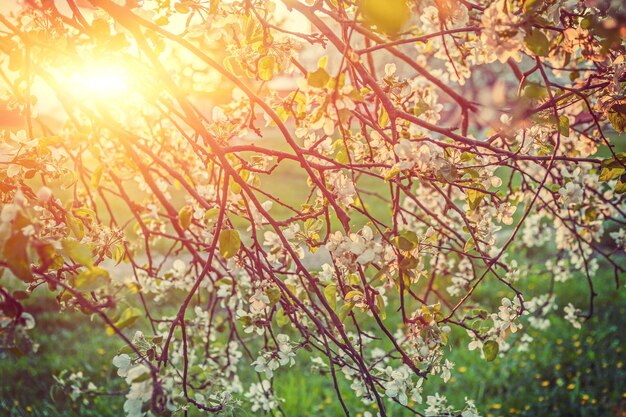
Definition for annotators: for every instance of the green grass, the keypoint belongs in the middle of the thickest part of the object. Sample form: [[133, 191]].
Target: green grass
[[566, 372]]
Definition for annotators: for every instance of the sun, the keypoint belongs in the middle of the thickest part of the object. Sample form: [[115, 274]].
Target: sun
[[100, 82]]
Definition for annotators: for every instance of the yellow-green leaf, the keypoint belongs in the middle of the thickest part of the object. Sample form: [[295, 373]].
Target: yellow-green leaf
[[330, 293], [344, 311], [474, 197], [128, 318], [184, 217], [383, 118], [537, 42], [48, 257], [91, 279], [318, 78], [380, 306], [490, 350], [564, 126], [617, 117], [352, 294], [266, 67], [281, 318], [78, 252], [76, 226], [388, 16], [96, 176], [16, 257], [230, 242]]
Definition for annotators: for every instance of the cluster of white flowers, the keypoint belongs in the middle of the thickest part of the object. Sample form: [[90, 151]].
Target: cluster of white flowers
[[284, 355], [413, 155], [261, 397], [501, 34], [573, 315], [620, 238], [76, 384], [357, 248], [342, 187], [400, 386], [277, 251], [140, 387], [539, 307], [507, 316], [535, 233]]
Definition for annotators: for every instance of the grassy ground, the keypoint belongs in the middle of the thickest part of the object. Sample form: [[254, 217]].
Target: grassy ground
[[566, 372]]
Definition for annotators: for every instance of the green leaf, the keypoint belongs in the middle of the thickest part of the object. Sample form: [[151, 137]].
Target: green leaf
[[330, 293], [380, 306], [383, 118], [344, 311], [48, 257], [273, 294], [535, 91], [143, 377], [14, 253], [469, 245], [229, 243], [392, 173], [91, 279], [76, 226], [537, 42], [611, 173], [617, 117], [184, 217], [266, 67], [406, 241], [352, 294], [564, 126], [127, 319], [318, 78], [531, 6], [78, 252], [96, 177], [490, 350], [124, 349], [474, 197], [388, 16], [281, 318]]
